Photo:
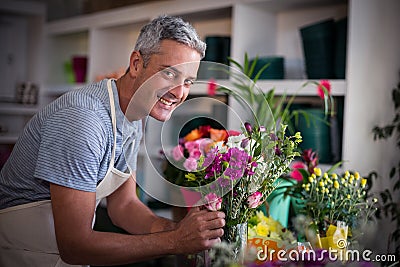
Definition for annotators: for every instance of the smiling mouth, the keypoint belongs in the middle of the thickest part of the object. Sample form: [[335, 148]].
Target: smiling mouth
[[165, 102]]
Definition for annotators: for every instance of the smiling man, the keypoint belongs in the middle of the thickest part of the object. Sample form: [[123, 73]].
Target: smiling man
[[72, 154]]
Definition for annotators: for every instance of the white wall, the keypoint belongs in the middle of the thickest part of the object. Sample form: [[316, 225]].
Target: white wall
[[372, 71]]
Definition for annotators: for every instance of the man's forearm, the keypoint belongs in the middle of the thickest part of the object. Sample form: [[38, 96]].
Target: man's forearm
[[161, 224], [137, 218], [112, 248]]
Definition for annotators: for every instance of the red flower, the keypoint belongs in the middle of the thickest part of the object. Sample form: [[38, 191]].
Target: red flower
[[212, 87], [324, 88], [205, 130], [295, 174]]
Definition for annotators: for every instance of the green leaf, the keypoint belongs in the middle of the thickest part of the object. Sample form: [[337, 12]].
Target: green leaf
[[257, 151], [397, 185], [384, 197], [237, 64], [304, 173], [246, 63], [392, 172], [334, 167], [252, 67], [257, 76]]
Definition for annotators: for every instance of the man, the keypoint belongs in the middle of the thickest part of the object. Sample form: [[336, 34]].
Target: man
[[73, 153]]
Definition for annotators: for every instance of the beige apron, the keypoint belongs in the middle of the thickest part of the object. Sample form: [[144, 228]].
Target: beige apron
[[27, 236]]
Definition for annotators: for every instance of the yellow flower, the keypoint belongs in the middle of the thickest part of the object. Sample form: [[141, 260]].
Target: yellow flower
[[357, 175], [190, 176], [334, 176], [347, 174], [336, 184], [326, 176], [298, 135], [262, 230], [321, 184], [363, 182], [311, 179], [374, 200], [351, 179], [348, 196], [317, 171]]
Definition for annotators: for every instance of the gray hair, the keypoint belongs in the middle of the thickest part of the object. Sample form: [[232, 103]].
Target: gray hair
[[171, 28]]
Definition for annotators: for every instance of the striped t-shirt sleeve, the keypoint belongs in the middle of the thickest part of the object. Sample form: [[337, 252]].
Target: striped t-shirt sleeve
[[73, 144]]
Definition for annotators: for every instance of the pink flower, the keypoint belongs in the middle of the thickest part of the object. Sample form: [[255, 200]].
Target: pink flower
[[190, 164], [177, 153], [195, 153], [311, 159], [324, 84], [295, 173], [214, 202], [212, 87], [254, 200], [191, 145], [233, 133]]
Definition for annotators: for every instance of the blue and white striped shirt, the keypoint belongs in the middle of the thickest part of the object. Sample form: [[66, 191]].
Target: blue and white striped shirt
[[69, 143]]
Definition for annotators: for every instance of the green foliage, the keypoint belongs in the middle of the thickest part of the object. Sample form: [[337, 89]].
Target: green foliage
[[390, 206], [268, 108]]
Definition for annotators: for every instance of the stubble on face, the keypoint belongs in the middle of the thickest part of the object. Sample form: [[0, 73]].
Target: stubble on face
[[165, 81]]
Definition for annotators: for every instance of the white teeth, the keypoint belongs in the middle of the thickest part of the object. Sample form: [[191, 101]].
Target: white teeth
[[162, 100]]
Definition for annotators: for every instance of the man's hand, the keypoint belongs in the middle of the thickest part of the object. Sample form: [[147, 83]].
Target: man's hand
[[199, 230]]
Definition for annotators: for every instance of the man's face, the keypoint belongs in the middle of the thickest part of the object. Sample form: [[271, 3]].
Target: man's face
[[166, 80]]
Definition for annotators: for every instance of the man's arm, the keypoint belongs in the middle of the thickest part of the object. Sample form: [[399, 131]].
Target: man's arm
[[78, 244], [129, 213]]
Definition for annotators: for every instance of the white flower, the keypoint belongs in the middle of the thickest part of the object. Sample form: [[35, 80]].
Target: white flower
[[221, 147], [235, 141]]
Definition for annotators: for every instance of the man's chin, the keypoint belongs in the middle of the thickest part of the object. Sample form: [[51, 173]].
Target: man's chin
[[161, 117]]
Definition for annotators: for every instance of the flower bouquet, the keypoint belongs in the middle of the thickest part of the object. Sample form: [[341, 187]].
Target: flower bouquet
[[185, 155], [238, 174]]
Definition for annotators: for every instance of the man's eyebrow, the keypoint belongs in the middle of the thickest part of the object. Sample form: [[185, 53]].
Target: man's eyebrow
[[176, 70]]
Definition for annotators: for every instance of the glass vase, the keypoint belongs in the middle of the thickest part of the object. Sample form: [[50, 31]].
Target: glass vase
[[236, 236]]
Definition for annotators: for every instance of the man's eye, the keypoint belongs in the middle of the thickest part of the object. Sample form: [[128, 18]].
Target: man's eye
[[188, 82], [169, 74]]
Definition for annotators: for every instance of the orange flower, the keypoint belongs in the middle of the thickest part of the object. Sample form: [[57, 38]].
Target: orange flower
[[218, 135], [193, 135]]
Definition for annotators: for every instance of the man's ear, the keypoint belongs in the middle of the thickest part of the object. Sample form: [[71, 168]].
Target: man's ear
[[135, 63]]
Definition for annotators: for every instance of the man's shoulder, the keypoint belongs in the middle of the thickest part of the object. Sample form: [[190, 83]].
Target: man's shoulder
[[92, 97]]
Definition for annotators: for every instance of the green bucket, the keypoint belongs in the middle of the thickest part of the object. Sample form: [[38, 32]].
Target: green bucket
[[316, 135], [319, 46], [340, 48], [274, 71]]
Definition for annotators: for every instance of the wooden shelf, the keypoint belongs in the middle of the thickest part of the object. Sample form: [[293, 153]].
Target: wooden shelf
[[8, 138], [18, 109], [287, 87]]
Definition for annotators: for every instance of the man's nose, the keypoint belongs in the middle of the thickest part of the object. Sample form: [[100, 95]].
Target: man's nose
[[178, 91]]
